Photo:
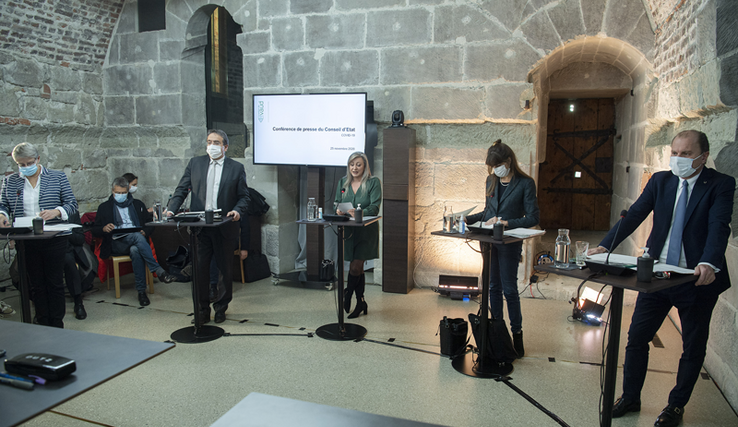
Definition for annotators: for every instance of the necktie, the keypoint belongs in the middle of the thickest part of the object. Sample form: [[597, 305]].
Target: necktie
[[211, 184], [677, 228]]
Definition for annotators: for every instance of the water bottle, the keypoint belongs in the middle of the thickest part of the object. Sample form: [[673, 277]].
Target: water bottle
[[311, 209], [561, 252], [158, 211], [462, 225], [320, 214], [358, 214]]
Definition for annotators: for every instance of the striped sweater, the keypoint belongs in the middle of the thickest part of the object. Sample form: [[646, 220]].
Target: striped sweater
[[55, 192]]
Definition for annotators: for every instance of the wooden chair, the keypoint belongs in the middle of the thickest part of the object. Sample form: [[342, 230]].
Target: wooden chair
[[116, 260]]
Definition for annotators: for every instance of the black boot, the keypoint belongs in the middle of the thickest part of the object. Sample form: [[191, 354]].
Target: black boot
[[518, 343], [348, 292], [360, 303], [79, 308]]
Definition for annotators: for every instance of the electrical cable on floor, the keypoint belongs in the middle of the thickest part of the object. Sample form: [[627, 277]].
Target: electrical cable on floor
[[535, 403], [391, 344]]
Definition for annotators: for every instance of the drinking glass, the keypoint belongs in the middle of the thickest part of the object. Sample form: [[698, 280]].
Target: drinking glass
[[581, 248]]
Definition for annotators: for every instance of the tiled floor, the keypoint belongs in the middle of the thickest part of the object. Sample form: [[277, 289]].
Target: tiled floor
[[195, 384]]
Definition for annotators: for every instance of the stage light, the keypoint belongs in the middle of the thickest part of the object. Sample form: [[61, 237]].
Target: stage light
[[458, 287], [588, 308]]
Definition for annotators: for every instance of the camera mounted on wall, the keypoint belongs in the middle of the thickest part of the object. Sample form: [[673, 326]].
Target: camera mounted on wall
[[398, 119]]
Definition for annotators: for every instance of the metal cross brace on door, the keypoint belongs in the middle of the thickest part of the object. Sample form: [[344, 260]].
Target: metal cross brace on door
[[603, 136]]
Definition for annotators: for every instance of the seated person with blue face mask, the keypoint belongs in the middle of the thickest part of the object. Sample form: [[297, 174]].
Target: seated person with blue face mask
[[121, 211]]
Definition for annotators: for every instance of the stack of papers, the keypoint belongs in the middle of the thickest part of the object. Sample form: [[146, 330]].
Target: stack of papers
[[524, 232]]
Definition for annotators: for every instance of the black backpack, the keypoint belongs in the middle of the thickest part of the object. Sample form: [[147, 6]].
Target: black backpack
[[258, 205]]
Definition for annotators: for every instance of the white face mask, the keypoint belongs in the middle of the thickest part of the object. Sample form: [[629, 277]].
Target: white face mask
[[501, 171], [682, 166], [215, 151], [132, 189]]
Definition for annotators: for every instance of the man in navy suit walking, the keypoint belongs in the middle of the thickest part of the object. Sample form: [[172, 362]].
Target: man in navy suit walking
[[692, 207]]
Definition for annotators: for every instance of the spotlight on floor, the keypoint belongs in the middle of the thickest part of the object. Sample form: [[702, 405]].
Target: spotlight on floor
[[458, 287], [588, 308]]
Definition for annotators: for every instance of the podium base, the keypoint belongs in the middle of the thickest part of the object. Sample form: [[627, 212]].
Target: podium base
[[465, 365], [332, 332], [205, 334]]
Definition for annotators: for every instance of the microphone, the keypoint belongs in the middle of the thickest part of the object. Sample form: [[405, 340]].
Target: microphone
[[623, 213], [616, 269]]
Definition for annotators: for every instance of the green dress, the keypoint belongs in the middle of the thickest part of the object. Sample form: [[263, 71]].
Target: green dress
[[362, 242]]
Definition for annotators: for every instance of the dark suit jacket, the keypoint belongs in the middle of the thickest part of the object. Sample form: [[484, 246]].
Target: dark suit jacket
[[105, 216], [233, 193], [518, 205], [706, 225]]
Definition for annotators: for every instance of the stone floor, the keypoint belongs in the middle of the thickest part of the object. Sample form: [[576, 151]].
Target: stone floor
[[397, 371]]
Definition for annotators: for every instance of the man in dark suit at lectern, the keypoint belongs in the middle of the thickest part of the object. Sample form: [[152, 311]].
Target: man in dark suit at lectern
[[692, 207], [216, 182]]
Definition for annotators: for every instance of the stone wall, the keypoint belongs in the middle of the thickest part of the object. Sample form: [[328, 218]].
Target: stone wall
[[464, 72], [695, 64]]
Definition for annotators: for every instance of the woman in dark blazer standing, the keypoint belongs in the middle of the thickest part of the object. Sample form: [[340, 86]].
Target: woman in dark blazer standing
[[511, 199]]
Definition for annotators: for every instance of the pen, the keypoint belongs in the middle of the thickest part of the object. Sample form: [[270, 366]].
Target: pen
[[16, 381]]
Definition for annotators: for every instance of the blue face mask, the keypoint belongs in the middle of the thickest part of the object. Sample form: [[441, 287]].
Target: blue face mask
[[120, 198], [28, 170]]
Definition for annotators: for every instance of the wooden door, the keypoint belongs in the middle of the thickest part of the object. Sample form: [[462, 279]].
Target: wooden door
[[575, 181]]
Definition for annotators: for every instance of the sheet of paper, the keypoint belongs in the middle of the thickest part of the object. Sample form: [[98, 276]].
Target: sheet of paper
[[480, 224], [60, 227], [524, 232], [23, 221], [614, 259], [345, 207], [465, 212]]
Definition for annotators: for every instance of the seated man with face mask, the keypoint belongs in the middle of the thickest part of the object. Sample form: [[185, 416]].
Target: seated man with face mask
[[120, 212]]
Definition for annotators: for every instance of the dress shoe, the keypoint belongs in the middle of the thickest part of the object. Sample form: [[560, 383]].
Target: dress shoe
[[220, 316], [671, 416], [622, 406], [518, 344], [143, 299], [79, 311], [166, 278]]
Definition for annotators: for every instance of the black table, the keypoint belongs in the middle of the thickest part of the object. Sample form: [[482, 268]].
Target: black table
[[98, 359], [618, 283], [465, 364], [24, 284], [262, 410], [341, 331], [198, 333]]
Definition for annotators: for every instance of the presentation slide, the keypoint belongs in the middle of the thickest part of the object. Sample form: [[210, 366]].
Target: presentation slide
[[310, 129]]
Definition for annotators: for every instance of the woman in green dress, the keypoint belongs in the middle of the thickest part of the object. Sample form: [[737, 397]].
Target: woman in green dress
[[359, 188]]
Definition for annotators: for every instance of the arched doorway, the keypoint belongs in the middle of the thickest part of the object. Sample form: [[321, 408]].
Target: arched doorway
[[591, 97]]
